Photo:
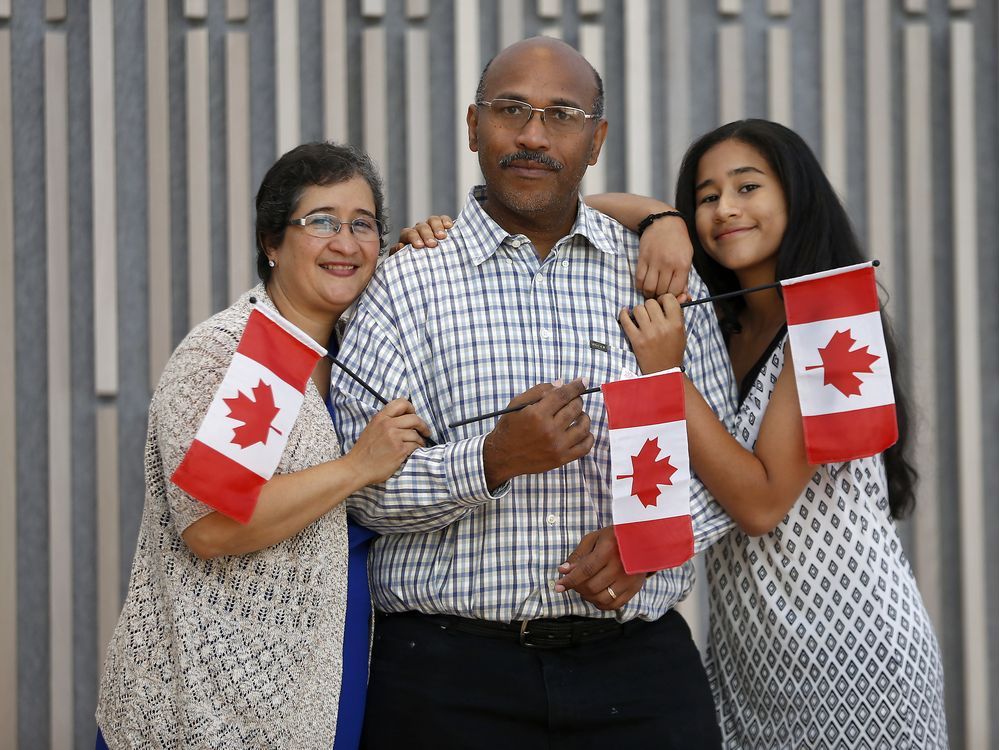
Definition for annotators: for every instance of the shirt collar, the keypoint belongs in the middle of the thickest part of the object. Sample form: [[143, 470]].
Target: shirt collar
[[589, 224]]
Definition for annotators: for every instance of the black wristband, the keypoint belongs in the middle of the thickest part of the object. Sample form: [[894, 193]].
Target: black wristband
[[644, 224]]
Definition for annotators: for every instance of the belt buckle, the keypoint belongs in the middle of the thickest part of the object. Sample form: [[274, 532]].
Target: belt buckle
[[523, 637]]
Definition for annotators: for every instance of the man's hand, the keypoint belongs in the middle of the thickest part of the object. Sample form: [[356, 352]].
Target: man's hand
[[549, 433], [594, 570], [665, 255]]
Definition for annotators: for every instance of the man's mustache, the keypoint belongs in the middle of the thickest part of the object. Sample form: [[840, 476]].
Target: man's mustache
[[536, 156]]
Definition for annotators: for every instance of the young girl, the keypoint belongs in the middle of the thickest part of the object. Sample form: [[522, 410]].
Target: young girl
[[818, 635]]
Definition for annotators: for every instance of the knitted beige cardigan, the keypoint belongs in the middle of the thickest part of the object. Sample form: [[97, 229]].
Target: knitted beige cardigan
[[236, 652]]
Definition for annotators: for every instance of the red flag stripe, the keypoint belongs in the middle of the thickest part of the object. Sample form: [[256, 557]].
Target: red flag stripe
[[219, 482], [640, 402], [838, 296], [647, 546], [871, 431], [277, 350]]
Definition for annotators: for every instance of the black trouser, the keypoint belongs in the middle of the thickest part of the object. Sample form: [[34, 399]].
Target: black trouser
[[436, 686]]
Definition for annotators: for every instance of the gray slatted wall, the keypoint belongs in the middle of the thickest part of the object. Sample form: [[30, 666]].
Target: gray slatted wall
[[132, 136]]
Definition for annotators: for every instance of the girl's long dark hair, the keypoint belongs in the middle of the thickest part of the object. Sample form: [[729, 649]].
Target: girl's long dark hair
[[819, 236]]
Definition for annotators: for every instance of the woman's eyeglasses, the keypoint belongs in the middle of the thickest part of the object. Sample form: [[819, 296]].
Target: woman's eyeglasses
[[323, 226]]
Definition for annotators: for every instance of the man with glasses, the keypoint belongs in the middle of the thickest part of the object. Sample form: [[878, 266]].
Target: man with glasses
[[481, 640]]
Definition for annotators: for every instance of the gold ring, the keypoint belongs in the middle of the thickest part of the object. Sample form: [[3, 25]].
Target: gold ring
[[611, 591]]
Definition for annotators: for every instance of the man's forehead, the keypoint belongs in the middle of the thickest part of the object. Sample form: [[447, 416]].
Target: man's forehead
[[555, 68]]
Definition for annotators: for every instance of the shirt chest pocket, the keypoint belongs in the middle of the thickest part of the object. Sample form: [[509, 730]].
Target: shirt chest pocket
[[600, 358]]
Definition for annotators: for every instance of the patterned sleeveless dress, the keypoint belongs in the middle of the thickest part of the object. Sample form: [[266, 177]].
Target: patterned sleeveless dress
[[818, 635]]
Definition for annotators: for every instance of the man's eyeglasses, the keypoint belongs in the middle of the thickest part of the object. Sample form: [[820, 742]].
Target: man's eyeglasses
[[364, 228], [514, 114]]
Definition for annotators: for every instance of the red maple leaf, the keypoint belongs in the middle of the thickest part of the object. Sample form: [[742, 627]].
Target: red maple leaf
[[840, 363], [648, 471], [256, 414]]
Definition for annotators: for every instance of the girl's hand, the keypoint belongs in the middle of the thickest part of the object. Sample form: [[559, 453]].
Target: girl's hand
[[423, 234], [656, 331], [665, 255], [388, 440]]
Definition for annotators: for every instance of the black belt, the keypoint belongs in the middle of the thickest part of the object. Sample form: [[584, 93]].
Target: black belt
[[562, 632]]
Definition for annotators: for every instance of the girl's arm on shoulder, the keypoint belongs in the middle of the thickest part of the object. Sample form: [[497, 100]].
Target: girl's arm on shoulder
[[665, 251], [756, 488]]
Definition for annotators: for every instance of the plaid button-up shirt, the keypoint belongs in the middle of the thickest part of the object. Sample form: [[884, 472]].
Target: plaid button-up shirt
[[460, 330]]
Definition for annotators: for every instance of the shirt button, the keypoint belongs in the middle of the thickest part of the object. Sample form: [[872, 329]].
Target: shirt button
[[550, 519], [565, 263], [545, 333], [540, 280], [552, 585]]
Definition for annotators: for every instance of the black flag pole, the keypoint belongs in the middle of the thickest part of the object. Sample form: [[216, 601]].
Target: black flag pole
[[357, 379], [508, 410], [740, 292]]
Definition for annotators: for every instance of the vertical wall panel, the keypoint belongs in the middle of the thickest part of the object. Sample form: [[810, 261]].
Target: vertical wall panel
[[915, 6], [4, 8], [238, 212], [108, 521], [921, 196], [286, 74], [730, 7], [467, 70], [592, 47], [549, 8], [638, 99], [677, 102], [779, 75], [731, 68], [417, 9], [978, 713], [418, 130], [160, 224], [55, 10], [833, 76], [779, 7], [59, 398], [589, 7], [8, 436], [199, 179], [335, 70], [878, 144], [373, 92], [237, 10], [102, 79], [196, 9], [511, 14]]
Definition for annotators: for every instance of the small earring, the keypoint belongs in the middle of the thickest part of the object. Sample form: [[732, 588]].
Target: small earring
[[270, 262]]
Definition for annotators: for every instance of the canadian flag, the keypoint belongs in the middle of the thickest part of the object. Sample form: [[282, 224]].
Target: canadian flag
[[650, 471], [244, 433], [841, 365]]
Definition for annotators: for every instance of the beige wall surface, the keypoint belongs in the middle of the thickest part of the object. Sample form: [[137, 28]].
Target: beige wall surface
[[132, 138]]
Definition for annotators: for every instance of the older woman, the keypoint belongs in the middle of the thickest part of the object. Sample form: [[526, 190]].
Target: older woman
[[232, 635]]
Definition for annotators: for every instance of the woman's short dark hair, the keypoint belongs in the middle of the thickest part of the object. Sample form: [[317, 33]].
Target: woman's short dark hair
[[321, 163], [818, 237]]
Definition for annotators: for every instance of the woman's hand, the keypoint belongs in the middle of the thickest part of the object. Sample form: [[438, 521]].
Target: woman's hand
[[388, 440], [656, 331], [423, 234], [665, 255]]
